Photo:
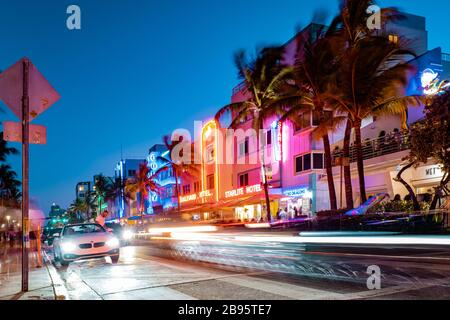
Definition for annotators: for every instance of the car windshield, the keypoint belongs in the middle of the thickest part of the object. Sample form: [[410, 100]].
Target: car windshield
[[52, 231], [83, 229]]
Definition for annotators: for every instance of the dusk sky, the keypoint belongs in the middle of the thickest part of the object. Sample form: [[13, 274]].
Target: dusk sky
[[139, 69]]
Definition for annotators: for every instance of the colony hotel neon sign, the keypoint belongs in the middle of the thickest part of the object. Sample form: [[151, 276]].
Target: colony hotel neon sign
[[195, 196], [243, 191]]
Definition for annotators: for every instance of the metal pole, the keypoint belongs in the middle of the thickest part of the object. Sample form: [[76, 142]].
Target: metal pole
[[342, 169], [25, 175]]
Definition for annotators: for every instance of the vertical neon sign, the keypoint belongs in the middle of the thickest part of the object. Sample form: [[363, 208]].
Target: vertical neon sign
[[278, 131]]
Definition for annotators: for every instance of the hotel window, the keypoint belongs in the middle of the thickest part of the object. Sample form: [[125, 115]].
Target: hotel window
[[210, 182], [393, 38], [303, 122], [269, 138], [243, 147], [307, 162], [318, 161], [131, 173], [298, 164], [187, 189], [243, 180], [196, 187], [210, 154]]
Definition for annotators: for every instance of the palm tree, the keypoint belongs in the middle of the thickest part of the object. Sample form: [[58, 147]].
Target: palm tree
[[179, 168], [103, 191], [372, 77], [142, 183], [264, 78], [5, 150], [9, 185], [120, 191], [84, 205], [345, 32], [314, 69]]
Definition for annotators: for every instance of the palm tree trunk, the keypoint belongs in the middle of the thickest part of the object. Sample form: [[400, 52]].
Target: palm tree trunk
[[445, 180], [360, 162], [413, 196], [347, 169], [329, 169], [266, 194]]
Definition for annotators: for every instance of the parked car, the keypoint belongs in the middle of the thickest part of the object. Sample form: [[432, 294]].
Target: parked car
[[85, 241]]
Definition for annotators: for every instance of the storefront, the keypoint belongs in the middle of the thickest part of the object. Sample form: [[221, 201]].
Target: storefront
[[298, 199], [249, 203], [423, 180]]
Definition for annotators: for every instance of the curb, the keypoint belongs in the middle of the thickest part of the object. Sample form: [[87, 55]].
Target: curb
[[58, 285]]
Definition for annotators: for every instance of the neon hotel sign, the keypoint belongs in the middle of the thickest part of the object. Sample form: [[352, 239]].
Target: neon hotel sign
[[243, 191], [195, 196]]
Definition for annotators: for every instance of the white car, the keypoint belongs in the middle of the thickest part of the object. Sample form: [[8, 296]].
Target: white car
[[85, 241]]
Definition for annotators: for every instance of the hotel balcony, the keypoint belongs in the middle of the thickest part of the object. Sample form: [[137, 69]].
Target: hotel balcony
[[385, 145]]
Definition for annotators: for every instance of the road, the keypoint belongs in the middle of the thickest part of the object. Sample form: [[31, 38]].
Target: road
[[190, 270]]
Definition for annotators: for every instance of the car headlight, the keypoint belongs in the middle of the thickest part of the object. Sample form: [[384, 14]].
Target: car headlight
[[114, 242], [127, 235], [68, 246]]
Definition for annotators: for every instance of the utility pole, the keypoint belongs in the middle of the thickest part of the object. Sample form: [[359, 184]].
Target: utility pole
[[25, 174]]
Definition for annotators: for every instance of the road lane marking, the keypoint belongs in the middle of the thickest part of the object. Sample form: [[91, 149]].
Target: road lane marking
[[157, 293], [339, 254], [280, 288], [394, 290]]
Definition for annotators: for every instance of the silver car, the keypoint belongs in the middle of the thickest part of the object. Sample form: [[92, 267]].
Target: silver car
[[85, 241]]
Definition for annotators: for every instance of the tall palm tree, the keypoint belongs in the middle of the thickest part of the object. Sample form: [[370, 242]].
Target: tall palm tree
[[75, 209], [181, 169], [264, 77], [102, 191], [142, 183], [310, 85], [83, 206], [372, 78], [346, 30]]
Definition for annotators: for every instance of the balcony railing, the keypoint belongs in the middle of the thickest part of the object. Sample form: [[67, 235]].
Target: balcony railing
[[389, 144]]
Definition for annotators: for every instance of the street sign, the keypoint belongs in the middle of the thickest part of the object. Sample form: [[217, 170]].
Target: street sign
[[41, 93], [12, 132], [27, 93]]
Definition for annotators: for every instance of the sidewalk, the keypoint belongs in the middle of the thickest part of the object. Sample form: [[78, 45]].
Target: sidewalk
[[40, 282]]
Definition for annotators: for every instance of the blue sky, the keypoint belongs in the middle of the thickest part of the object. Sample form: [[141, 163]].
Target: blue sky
[[139, 69]]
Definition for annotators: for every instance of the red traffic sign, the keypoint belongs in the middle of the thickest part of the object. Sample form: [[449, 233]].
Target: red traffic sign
[[40, 92], [12, 132]]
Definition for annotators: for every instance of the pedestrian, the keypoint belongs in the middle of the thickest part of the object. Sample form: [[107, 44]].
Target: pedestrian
[[101, 218], [291, 213], [283, 214], [12, 239]]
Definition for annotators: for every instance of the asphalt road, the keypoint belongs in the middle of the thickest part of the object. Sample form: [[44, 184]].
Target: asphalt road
[[226, 270]]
